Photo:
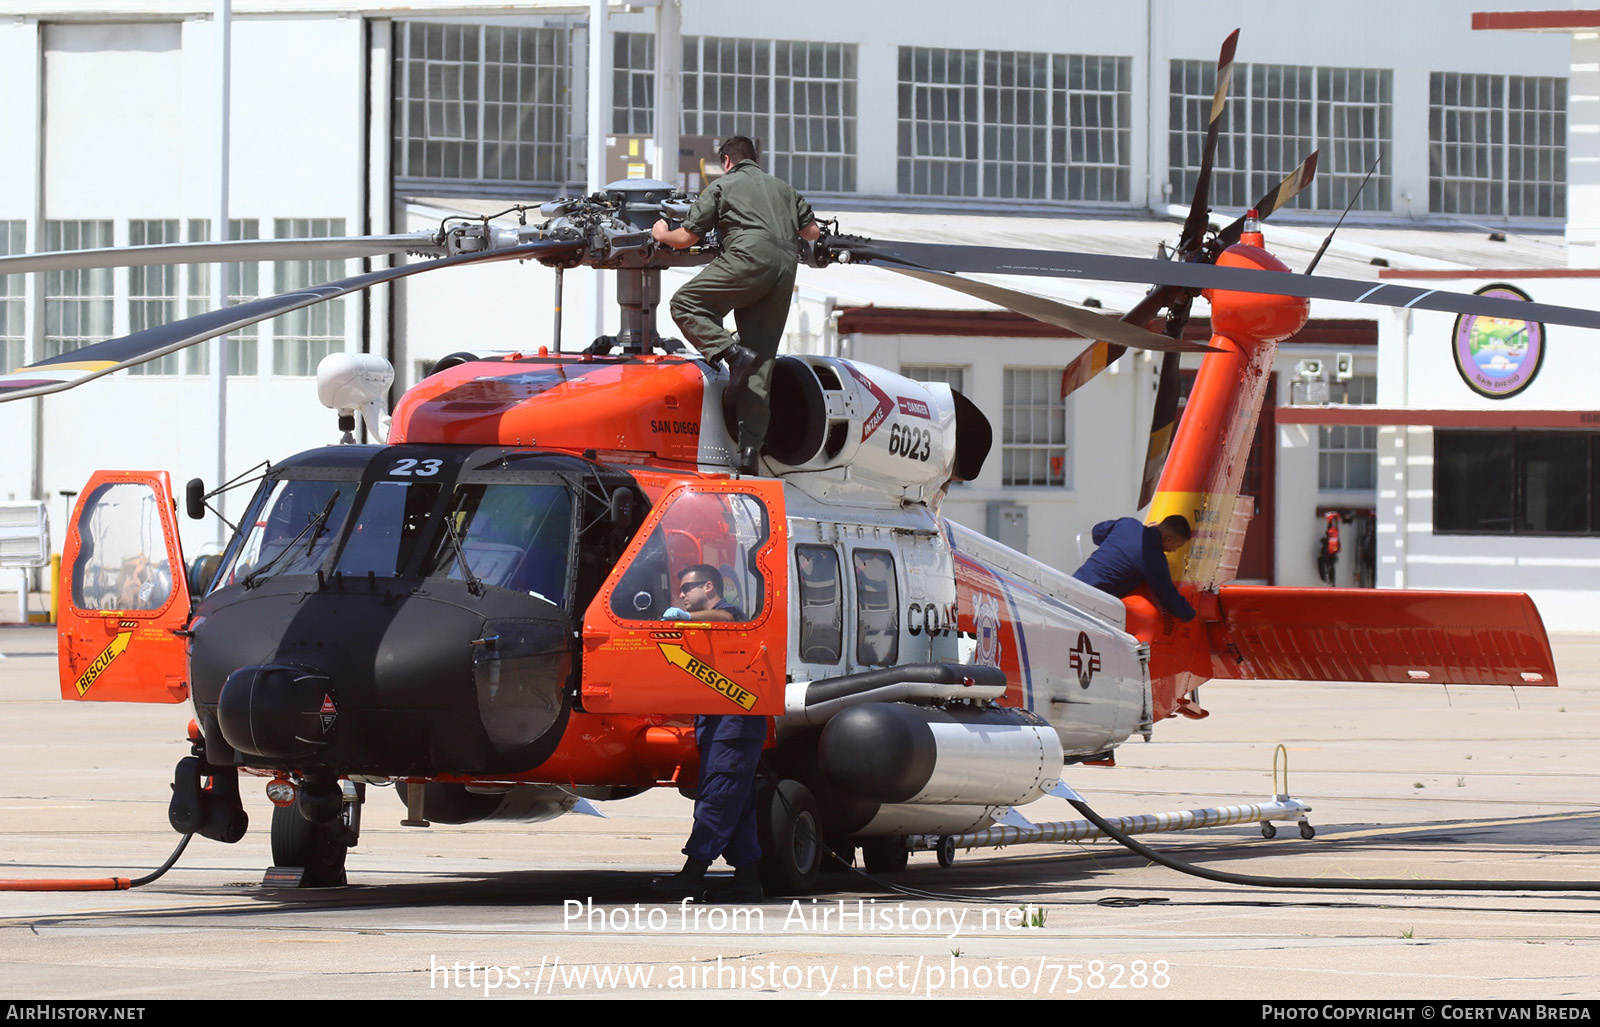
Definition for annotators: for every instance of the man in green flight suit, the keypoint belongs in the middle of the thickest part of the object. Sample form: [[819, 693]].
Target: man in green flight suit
[[758, 217]]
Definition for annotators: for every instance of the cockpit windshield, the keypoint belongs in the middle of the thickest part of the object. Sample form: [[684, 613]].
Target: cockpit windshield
[[393, 517], [292, 530], [502, 534], [517, 537]]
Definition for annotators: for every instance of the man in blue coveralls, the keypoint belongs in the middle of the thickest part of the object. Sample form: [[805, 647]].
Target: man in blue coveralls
[[1132, 554], [730, 749]]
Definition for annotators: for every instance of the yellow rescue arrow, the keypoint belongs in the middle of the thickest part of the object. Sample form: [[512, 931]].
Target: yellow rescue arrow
[[680, 658], [101, 662]]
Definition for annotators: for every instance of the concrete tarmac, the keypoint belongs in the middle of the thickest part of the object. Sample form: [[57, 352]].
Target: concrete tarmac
[[1411, 782]]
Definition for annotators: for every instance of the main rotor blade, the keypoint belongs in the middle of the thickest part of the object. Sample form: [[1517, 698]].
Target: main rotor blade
[[1191, 275], [1194, 226], [75, 367], [232, 251], [1074, 319]]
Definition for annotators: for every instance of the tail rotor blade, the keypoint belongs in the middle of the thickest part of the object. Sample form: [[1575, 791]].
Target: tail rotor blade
[[1087, 364], [1194, 226], [1163, 423], [1293, 184]]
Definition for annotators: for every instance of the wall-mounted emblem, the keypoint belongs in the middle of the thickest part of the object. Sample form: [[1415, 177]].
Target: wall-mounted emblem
[[1498, 357]]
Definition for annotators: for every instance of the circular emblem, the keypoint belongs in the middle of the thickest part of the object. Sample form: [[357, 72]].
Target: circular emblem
[[1498, 357], [986, 617]]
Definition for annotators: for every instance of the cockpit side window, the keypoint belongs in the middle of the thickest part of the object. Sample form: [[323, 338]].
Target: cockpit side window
[[722, 532], [123, 563]]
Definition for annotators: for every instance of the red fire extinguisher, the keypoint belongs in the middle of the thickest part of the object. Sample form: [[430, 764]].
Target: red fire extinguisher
[[1328, 557]]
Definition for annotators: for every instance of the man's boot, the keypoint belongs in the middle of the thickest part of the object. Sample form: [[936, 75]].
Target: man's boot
[[742, 363], [688, 883], [745, 887]]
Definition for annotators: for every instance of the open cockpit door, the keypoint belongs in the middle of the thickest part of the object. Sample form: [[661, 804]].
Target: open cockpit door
[[123, 593], [639, 660]]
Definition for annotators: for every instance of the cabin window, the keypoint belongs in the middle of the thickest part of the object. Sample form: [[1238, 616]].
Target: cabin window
[[388, 528], [816, 575], [877, 608]]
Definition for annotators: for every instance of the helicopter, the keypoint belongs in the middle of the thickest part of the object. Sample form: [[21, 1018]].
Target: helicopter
[[472, 610]]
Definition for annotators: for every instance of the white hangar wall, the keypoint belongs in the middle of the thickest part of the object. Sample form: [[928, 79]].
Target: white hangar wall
[[114, 114]]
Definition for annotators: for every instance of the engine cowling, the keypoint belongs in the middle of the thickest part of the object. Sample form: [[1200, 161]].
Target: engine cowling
[[842, 421]]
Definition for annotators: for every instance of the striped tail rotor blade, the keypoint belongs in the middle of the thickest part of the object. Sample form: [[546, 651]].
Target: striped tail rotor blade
[[1293, 184], [1087, 365], [1194, 226], [1163, 424]]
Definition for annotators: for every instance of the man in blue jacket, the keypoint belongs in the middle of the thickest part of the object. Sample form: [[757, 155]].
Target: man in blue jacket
[[1133, 554], [730, 753]]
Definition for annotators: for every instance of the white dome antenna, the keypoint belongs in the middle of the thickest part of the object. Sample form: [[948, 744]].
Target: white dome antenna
[[348, 382]]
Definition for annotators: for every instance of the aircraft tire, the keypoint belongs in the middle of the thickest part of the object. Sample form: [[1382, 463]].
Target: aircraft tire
[[884, 855], [319, 849], [789, 828]]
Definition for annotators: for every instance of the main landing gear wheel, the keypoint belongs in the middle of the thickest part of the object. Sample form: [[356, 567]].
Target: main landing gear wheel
[[319, 849], [884, 855], [789, 826]]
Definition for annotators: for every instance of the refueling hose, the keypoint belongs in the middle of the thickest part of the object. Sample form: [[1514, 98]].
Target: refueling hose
[[1349, 884], [95, 883]]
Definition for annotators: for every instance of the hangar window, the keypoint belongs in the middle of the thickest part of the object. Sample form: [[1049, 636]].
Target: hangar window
[[1516, 482], [1276, 115], [13, 299], [481, 103], [1497, 145], [955, 377], [244, 284], [77, 303], [1030, 126], [797, 99], [301, 338], [1347, 454], [153, 295], [1034, 436]]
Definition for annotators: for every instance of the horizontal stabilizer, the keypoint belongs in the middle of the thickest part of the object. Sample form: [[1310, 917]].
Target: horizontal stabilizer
[[1327, 634]]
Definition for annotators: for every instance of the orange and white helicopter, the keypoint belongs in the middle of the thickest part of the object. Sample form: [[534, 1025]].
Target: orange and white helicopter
[[472, 611]]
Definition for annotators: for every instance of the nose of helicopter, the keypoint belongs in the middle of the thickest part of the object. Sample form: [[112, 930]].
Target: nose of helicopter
[[381, 683]]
